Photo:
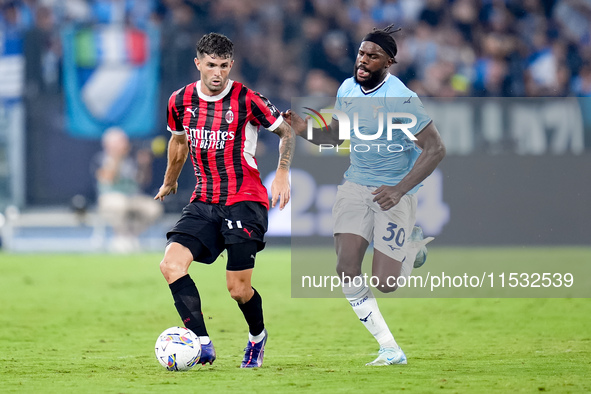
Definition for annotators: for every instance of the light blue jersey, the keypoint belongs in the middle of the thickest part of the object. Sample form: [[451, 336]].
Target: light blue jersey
[[385, 158]]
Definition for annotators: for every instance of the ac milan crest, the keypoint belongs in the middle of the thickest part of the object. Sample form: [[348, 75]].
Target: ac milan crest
[[230, 116]]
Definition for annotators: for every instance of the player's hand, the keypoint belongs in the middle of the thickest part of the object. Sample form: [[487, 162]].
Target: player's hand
[[296, 122], [165, 190], [387, 196], [280, 189]]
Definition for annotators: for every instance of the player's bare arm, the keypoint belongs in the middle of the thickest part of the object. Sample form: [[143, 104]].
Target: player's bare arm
[[280, 186], [320, 136], [178, 150], [433, 152]]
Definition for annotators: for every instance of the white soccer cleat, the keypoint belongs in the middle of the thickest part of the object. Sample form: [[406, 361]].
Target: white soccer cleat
[[389, 356], [419, 244]]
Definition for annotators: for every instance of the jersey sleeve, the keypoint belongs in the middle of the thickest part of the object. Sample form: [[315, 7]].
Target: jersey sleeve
[[338, 104], [418, 110], [264, 112], [174, 123]]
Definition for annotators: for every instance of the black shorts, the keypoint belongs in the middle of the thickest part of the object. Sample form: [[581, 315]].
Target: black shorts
[[206, 229]]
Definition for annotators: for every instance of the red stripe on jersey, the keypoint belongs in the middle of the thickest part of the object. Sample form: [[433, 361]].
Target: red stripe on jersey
[[173, 112], [171, 109], [211, 154], [228, 159], [202, 185]]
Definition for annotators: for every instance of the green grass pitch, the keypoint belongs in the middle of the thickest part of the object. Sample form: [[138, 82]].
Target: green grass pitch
[[88, 323]]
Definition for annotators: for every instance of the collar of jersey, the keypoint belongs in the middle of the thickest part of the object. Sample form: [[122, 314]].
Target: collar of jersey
[[223, 94], [377, 87]]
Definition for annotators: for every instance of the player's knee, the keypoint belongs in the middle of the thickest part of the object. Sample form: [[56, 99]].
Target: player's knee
[[176, 261], [345, 270], [166, 267], [240, 293], [171, 269], [387, 284]]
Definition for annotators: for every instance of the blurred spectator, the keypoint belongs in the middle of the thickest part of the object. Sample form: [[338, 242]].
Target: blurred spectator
[[292, 21], [313, 30], [494, 81], [546, 72], [573, 16], [121, 201], [364, 10], [582, 83], [433, 13], [485, 48], [438, 80], [421, 49], [180, 32], [16, 15], [319, 83], [465, 16], [42, 51], [335, 58]]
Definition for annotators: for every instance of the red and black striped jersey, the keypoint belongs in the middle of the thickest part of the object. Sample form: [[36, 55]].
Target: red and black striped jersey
[[222, 132]]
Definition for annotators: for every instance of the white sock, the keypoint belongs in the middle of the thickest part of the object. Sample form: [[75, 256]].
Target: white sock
[[204, 340], [365, 306], [256, 338]]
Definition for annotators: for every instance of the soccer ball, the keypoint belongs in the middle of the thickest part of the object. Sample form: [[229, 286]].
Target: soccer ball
[[178, 349]]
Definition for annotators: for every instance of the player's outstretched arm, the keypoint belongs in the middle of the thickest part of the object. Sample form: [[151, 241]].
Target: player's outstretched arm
[[177, 154], [319, 136], [433, 152], [280, 186]]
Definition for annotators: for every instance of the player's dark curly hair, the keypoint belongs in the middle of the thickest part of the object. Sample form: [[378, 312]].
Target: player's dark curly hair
[[385, 38], [215, 44]]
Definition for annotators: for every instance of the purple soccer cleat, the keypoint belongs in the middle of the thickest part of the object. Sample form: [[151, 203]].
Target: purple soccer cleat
[[207, 354], [254, 353]]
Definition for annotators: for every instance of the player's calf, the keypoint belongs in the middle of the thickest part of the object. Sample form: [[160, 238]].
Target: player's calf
[[387, 271]]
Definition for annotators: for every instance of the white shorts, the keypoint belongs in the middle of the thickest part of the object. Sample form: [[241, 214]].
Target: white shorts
[[355, 212]]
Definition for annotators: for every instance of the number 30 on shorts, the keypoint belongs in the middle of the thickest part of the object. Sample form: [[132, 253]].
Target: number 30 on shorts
[[397, 236]]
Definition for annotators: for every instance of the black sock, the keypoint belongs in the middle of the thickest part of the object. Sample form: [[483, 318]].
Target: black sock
[[188, 304], [253, 313]]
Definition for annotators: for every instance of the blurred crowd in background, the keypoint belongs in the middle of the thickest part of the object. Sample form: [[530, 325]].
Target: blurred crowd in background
[[283, 49], [291, 48]]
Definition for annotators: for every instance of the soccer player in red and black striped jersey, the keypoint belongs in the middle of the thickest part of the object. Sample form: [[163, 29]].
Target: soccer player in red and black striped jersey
[[216, 121]]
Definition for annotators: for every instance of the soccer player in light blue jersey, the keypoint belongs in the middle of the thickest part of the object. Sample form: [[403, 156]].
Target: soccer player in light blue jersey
[[377, 202]]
